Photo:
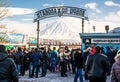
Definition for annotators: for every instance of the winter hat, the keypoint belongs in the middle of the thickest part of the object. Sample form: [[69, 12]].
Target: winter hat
[[2, 48], [118, 55]]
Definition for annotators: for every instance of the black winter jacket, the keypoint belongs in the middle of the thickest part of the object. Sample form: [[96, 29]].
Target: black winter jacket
[[8, 72], [19, 57], [97, 65], [78, 60]]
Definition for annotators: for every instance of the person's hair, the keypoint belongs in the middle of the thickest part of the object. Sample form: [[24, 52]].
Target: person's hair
[[19, 48], [98, 49], [54, 48], [2, 49], [36, 49], [66, 47]]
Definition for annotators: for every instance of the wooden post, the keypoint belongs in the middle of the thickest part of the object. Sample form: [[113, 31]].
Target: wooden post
[[38, 30], [82, 25]]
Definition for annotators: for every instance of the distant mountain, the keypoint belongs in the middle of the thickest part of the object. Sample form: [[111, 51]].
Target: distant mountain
[[64, 29]]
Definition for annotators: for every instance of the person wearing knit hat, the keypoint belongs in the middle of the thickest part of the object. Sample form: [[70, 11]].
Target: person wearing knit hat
[[115, 71], [8, 71]]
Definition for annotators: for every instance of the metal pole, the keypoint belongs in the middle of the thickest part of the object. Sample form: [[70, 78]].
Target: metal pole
[[82, 25], [38, 30]]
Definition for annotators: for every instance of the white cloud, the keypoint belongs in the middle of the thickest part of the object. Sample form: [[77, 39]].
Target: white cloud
[[47, 5], [61, 4], [51, 5], [111, 3], [118, 13], [93, 6], [28, 19], [20, 11], [18, 27], [113, 17]]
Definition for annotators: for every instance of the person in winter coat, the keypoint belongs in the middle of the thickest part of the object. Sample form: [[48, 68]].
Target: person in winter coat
[[86, 52], [115, 71], [67, 57], [35, 59], [19, 60], [53, 59], [8, 71], [62, 63], [79, 65], [44, 59], [72, 60], [97, 66]]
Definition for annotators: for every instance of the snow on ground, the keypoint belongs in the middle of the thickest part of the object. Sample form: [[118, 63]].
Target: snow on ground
[[51, 77]]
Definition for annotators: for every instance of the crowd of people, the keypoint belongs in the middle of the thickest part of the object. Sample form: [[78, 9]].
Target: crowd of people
[[93, 61]]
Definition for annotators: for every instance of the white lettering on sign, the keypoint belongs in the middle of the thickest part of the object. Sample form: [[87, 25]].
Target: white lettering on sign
[[60, 11], [105, 40]]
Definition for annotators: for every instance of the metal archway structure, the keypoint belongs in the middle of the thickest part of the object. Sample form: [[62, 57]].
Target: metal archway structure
[[59, 11]]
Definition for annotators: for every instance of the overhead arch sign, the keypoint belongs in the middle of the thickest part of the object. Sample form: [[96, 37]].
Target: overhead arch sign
[[60, 11]]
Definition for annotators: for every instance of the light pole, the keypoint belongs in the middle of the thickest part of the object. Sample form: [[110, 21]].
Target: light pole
[[107, 28], [94, 29]]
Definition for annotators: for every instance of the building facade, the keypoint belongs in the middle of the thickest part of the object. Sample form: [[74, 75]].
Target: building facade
[[101, 39]]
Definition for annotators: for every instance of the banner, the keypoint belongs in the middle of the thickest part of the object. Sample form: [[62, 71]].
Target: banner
[[15, 38], [32, 40]]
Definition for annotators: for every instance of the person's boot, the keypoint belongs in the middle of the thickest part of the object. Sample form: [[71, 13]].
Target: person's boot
[[65, 75], [75, 81]]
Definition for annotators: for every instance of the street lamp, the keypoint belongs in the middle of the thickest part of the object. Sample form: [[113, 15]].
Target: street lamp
[[94, 29], [107, 28]]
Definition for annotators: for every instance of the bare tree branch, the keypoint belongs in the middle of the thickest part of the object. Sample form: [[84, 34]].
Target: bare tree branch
[[4, 4]]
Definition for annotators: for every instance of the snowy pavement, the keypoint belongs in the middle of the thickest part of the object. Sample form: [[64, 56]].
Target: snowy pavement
[[51, 77]]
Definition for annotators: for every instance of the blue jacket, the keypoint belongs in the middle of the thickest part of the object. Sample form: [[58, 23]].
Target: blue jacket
[[35, 58], [54, 52]]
